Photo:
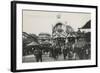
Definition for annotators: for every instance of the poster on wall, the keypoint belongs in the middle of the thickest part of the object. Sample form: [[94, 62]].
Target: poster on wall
[[48, 36]]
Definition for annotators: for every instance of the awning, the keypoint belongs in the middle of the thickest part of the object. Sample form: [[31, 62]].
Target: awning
[[87, 25], [33, 44]]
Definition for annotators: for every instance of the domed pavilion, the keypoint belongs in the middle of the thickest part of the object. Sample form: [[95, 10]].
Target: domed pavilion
[[61, 32]]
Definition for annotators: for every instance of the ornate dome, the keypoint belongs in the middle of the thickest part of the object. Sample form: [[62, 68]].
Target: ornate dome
[[59, 27], [62, 30]]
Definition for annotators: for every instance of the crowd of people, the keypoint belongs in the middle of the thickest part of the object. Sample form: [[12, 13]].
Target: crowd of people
[[68, 51]]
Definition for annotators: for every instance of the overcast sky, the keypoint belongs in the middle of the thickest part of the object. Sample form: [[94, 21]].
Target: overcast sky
[[42, 21]]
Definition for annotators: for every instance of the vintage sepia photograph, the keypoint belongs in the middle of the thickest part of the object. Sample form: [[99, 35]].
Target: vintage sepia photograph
[[48, 36], [55, 36]]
